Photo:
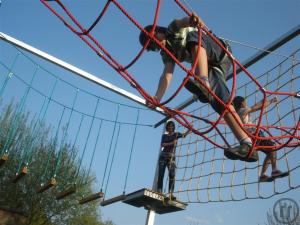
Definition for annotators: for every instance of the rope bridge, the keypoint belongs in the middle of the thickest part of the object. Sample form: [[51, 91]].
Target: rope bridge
[[91, 127]]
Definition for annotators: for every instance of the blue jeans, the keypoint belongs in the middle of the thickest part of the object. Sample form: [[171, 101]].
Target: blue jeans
[[219, 65], [166, 160]]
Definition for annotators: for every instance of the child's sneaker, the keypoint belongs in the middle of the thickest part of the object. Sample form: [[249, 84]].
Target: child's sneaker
[[197, 89], [172, 197], [265, 178], [278, 174], [240, 152], [230, 155]]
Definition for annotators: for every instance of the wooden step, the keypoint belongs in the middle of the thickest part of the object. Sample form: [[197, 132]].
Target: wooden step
[[91, 197], [113, 200], [66, 192], [3, 159], [44, 187], [19, 175]]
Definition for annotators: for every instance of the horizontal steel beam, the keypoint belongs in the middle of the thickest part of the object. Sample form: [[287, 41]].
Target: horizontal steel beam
[[75, 70]]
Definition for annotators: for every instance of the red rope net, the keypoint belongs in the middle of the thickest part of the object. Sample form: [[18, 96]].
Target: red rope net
[[289, 133], [204, 175]]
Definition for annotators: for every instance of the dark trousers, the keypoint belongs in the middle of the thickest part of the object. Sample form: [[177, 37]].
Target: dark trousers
[[219, 66], [166, 161]]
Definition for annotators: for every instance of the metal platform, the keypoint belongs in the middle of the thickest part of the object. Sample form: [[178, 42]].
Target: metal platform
[[154, 201]]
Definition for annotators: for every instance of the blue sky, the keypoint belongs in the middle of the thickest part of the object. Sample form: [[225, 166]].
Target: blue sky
[[250, 21]]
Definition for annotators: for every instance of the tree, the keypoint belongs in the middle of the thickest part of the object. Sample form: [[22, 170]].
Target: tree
[[42, 209]]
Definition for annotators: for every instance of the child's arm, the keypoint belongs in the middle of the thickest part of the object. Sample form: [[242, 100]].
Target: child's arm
[[192, 21], [186, 133], [164, 81], [258, 105], [165, 144]]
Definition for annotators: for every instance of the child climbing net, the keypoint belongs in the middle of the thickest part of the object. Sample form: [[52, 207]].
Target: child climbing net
[[246, 150]]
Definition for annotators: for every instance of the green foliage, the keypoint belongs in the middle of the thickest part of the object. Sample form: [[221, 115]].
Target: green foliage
[[43, 208]]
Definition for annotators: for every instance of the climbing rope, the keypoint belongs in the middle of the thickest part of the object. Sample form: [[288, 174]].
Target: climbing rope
[[180, 116], [131, 152], [204, 175], [110, 147], [64, 136]]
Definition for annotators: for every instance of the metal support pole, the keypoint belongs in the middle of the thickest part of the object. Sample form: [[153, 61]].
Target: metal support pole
[[150, 217], [151, 214]]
